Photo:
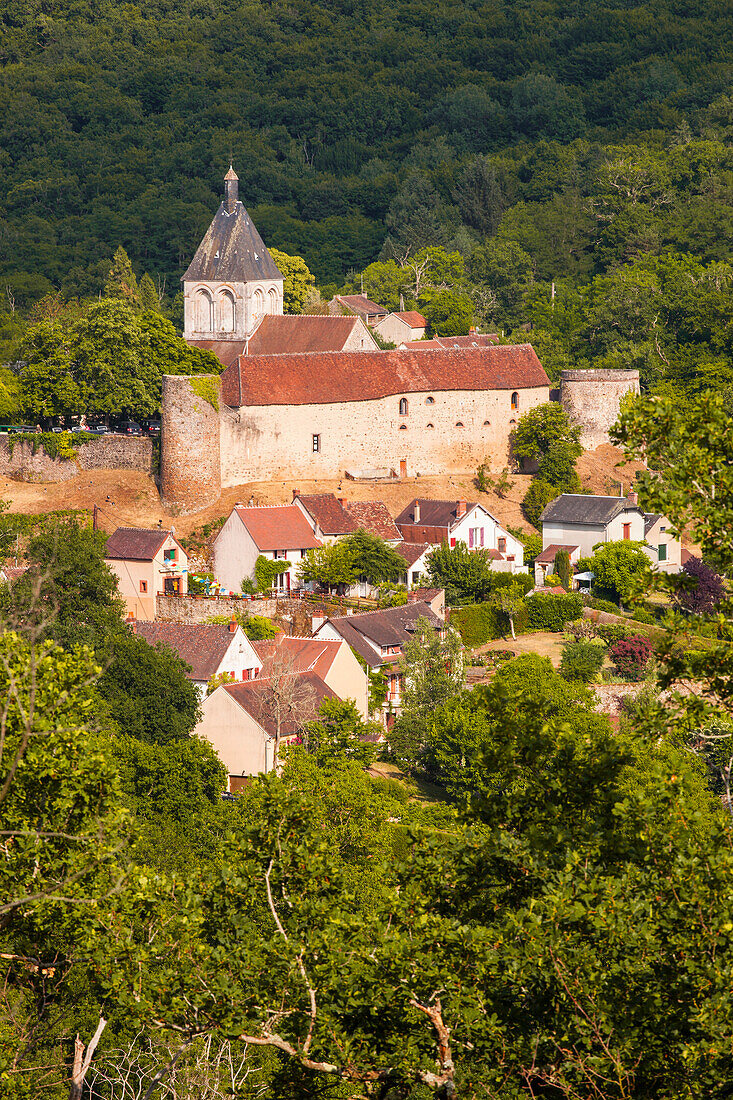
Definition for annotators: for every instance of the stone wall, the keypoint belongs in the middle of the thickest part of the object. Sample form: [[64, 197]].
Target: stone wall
[[592, 398], [108, 452], [197, 609], [190, 458]]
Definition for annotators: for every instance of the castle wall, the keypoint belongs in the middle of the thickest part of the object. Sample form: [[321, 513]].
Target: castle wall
[[263, 442], [592, 399], [107, 452], [190, 459]]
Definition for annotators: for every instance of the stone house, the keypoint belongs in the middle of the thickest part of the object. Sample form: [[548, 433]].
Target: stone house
[[396, 328], [240, 721], [331, 659], [379, 638], [454, 521], [359, 304], [148, 563], [208, 650], [575, 520], [276, 532]]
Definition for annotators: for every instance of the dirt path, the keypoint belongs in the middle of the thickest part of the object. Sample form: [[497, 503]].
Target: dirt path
[[543, 643]]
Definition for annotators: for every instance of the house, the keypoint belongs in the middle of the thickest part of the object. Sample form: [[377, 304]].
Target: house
[[331, 517], [473, 340], [415, 555], [544, 563], [148, 563], [433, 597], [379, 638], [275, 532], [330, 659], [244, 721], [207, 650], [454, 521], [583, 521], [396, 328], [359, 304]]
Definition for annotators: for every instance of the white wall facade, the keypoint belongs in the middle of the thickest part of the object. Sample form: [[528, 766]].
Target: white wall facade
[[235, 555], [228, 310], [442, 431], [480, 531], [240, 742], [393, 329]]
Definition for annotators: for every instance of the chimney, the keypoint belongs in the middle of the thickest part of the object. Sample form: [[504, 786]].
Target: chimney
[[461, 509], [231, 190], [296, 493], [472, 330], [132, 622], [342, 501], [233, 626], [632, 498], [416, 515]]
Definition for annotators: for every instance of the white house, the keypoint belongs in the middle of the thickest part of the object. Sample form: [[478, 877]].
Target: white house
[[578, 521], [148, 563], [276, 532], [396, 328], [454, 521], [415, 555], [207, 650]]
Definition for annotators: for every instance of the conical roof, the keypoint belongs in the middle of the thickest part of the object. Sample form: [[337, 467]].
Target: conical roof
[[232, 250]]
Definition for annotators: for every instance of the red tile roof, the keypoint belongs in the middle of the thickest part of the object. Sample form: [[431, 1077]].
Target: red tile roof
[[331, 516], [411, 551], [278, 527], [254, 697], [297, 654], [374, 517], [202, 647], [334, 377], [360, 304], [226, 351], [474, 340], [278, 335], [412, 318], [548, 554], [136, 543]]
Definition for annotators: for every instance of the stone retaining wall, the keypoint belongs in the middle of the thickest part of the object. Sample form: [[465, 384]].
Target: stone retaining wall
[[108, 452], [197, 609]]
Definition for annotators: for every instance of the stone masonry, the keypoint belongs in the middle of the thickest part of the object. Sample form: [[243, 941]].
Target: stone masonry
[[110, 452]]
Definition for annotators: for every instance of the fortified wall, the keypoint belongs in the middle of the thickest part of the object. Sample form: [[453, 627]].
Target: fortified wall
[[108, 452], [592, 399], [190, 449]]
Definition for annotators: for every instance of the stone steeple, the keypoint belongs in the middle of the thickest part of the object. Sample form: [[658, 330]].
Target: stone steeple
[[231, 190]]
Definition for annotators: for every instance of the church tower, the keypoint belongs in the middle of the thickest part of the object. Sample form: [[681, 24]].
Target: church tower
[[232, 281]]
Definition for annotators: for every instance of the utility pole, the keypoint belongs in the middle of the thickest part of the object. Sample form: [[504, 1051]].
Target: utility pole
[[94, 518]]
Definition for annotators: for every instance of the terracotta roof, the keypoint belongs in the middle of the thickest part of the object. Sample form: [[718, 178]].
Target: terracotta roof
[[226, 351], [411, 551], [289, 333], [420, 345], [548, 554], [301, 654], [474, 340], [253, 696], [426, 593], [136, 543], [202, 647], [495, 555], [278, 527], [374, 517], [391, 627], [581, 510], [433, 513], [412, 318], [334, 377], [359, 304], [232, 250], [331, 516], [13, 572]]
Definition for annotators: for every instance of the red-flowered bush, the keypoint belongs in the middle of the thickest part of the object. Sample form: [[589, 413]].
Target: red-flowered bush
[[631, 656]]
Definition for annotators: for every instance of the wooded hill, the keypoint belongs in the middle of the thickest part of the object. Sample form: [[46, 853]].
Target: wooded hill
[[346, 120]]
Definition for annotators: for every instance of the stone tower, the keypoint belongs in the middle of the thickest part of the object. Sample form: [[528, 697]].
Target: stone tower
[[190, 451], [592, 398], [232, 281]]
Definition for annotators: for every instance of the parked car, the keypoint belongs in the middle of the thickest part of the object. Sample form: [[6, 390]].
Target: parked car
[[129, 427], [99, 429]]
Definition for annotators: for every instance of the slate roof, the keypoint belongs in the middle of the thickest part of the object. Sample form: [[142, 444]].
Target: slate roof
[[302, 654], [277, 527], [433, 513], [391, 627], [332, 518], [581, 510], [252, 696], [293, 333], [202, 647], [136, 543], [411, 551], [650, 518], [232, 250], [335, 377], [374, 517], [548, 554]]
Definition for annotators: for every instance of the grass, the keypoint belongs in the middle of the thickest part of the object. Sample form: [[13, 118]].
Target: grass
[[422, 790]]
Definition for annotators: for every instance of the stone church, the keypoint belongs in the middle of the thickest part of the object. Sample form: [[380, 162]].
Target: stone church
[[311, 397]]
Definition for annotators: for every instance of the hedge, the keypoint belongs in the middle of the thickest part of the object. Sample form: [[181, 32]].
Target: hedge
[[552, 612], [482, 622]]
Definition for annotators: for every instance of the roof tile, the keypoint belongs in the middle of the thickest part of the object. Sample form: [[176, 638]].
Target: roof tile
[[136, 543], [373, 516], [278, 527], [201, 647], [254, 697]]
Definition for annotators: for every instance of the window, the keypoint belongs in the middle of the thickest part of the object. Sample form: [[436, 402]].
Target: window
[[316, 444], [280, 555], [429, 400], [452, 542], [403, 427], [429, 425], [501, 546], [258, 302], [487, 423], [272, 301], [403, 406], [662, 530], [459, 423], [143, 586], [169, 555], [627, 530], [662, 551], [226, 311], [204, 312], [512, 423], [515, 401], [303, 553], [475, 537]]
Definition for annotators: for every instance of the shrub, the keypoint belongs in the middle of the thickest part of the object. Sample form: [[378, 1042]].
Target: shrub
[[549, 612], [581, 661], [642, 616], [536, 498], [611, 632], [479, 623], [706, 589], [583, 630], [603, 605], [631, 656], [563, 569]]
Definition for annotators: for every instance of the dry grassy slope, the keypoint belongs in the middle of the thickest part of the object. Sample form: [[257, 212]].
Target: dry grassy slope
[[135, 502]]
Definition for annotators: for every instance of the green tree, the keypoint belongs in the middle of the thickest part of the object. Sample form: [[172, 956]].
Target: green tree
[[563, 571], [449, 313], [621, 569], [542, 427], [110, 362], [121, 282], [329, 565], [581, 660], [464, 574], [536, 499], [340, 735], [149, 297], [297, 280], [479, 196], [48, 385], [506, 269], [508, 600], [371, 557]]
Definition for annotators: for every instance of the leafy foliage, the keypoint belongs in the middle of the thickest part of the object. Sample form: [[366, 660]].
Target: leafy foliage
[[631, 656], [581, 660], [620, 568], [551, 612], [705, 592], [536, 499]]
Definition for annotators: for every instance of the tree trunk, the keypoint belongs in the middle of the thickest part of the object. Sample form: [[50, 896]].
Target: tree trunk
[[511, 624], [82, 1060]]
